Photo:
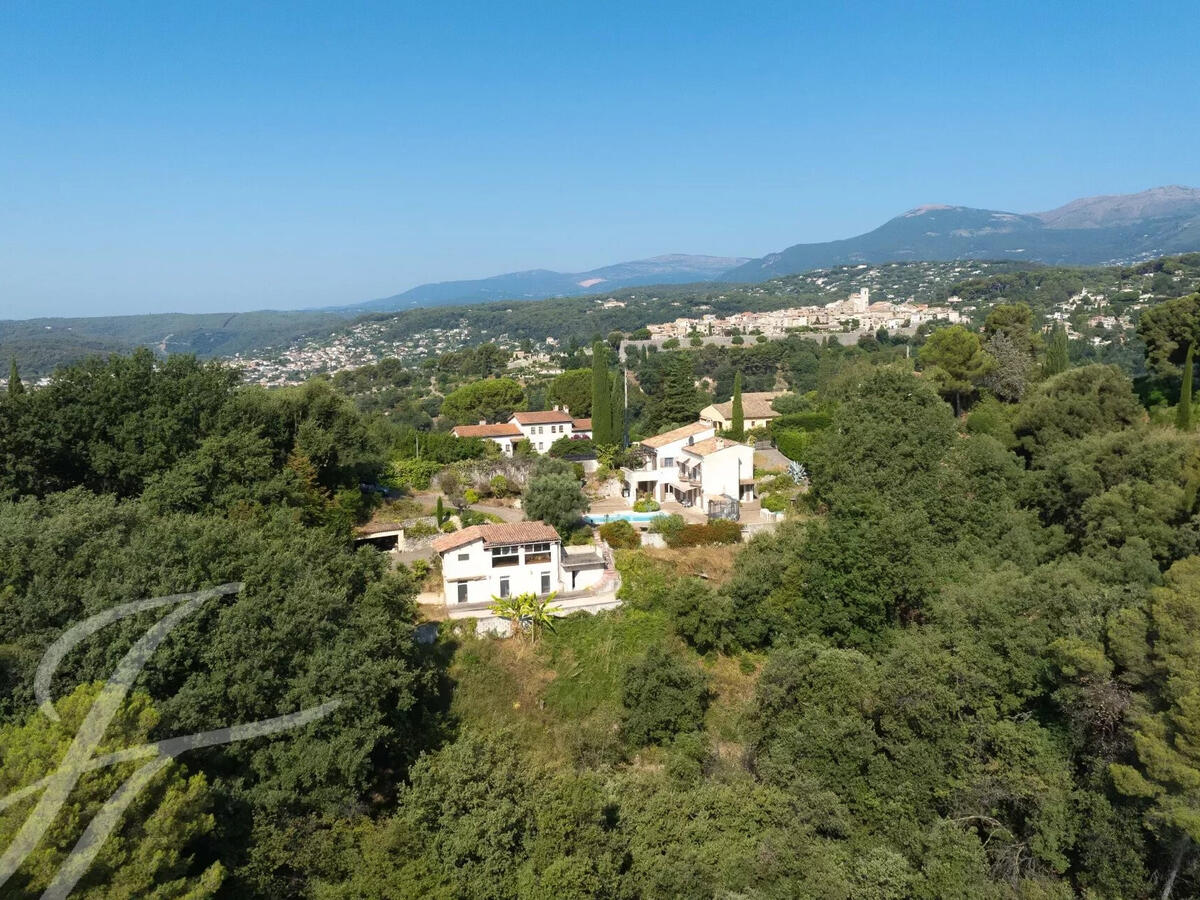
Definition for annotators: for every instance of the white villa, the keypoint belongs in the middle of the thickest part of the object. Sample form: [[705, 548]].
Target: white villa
[[541, 428], [694, 466], [544, 427], [486, 561], [757, 411]]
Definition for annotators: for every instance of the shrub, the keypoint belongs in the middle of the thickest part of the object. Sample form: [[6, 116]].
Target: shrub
[[471, 495], [667, 525], [646, 504], [774, 502], [500, 486], [776, 483], [410, 473], [793, 443], [580, 536], [449, 526], [805, 421], [701, 616], [718, 531], [663, 696], [572, 446], [619, 534], [420, 529]]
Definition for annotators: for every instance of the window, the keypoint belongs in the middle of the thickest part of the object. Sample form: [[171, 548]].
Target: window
[[505, 556], [537, 553], [668, 461], [463, 557], [504, 586], [545, 582], [462, 592]]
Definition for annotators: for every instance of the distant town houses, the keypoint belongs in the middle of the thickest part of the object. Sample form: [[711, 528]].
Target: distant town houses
[[857, 309]]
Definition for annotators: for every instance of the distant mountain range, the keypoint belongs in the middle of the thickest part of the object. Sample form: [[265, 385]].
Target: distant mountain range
[[537, 284], [1094, 230], [1091, 231]]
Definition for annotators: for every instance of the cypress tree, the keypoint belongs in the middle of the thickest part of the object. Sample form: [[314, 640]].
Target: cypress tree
[[738, 428], [1183, 413], [601, 401], [1057, 359], [15, 386], [616, 406]]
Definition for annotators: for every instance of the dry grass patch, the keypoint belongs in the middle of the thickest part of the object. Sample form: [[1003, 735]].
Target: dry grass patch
[[714, 563]]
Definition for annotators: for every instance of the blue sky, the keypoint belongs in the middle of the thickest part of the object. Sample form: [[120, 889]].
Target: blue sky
[[211, 156]]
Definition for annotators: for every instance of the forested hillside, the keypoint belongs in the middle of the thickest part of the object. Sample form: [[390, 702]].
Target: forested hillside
[[965, 665]]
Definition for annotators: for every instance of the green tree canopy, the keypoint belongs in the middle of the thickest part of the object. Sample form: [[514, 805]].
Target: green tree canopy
[[556, 499], [955, 362], [572, 389], [151, 853], [490, 400]]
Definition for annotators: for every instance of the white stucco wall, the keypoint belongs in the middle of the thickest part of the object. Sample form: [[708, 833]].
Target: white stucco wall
[[719, 471], [472, 565]]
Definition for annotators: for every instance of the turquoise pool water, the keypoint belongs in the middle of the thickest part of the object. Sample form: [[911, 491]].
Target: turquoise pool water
[[627, 516]]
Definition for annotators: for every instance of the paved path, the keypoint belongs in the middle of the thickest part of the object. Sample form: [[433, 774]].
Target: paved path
[[507, 513], [771, 460]]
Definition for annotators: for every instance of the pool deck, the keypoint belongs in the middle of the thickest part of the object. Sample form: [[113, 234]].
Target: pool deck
[[693, 516], [752, 511]]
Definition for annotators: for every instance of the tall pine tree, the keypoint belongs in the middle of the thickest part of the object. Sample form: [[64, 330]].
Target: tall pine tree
[[601, 398], [737, 428], [15, 386]]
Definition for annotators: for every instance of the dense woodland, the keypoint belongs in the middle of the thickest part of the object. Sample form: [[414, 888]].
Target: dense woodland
[[965, 667]]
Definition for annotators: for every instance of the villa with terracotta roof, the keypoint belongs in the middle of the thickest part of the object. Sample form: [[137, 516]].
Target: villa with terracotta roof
[[543, 427], [693, 466], [503, 434], [757, 411], [501, 560], [540, 427]]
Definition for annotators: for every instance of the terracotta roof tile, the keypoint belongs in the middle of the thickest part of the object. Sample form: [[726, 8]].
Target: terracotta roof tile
[[497, 535], [502, 429], [542, 417]]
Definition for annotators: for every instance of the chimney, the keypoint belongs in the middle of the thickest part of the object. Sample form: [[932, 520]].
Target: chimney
[[720, 443], [483, 421]]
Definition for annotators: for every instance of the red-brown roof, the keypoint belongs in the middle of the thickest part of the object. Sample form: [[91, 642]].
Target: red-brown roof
[[582, 425], [503, 429], [542, 417], [497, 535]]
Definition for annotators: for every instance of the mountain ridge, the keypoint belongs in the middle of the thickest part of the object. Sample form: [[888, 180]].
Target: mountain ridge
[[1110, 228], [537, 284]]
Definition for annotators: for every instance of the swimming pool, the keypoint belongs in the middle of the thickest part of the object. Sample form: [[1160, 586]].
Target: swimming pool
[[627, 516]]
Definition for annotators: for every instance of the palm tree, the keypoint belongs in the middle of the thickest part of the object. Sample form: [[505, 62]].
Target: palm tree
[[526, 614]]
